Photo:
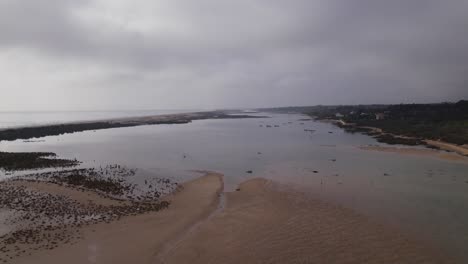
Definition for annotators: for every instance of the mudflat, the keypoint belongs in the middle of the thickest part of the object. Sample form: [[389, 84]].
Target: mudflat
[[261, 222], [265, 223], [137, 239]]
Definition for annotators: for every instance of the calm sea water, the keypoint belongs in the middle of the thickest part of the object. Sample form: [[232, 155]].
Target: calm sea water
[[424, 196], [20, 119]]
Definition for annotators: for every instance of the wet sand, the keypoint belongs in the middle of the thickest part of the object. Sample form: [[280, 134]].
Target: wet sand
[[137, 239], [418, 151], [262, 222], [80, 196], [462, 150]]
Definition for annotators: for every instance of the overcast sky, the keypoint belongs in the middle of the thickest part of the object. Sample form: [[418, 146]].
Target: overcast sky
[[173, 54]]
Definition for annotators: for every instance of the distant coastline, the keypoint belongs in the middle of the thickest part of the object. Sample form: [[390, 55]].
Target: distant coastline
[[440, 126], [26, 133], [97, 210]]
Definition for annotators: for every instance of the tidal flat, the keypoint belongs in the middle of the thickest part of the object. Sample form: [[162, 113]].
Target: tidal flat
[[423, 198]]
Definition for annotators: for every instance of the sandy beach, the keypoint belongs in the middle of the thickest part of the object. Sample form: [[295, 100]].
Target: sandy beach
[[260, 222], [137, 239], [452, 156], [460, 149], [233, 132], [265, 223]]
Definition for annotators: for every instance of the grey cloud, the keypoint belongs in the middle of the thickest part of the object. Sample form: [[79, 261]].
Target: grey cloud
[[249, 53]]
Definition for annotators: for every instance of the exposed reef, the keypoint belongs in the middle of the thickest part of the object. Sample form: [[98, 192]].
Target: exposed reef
[[11, 161], [48, 209]]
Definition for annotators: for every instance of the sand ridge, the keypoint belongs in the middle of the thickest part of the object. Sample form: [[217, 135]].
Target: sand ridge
[[264, 223], [137, 239], [451, 156], [462, 150]]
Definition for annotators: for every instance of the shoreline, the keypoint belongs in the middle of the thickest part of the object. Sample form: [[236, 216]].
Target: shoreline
[[127, 239], [392, 139], [427, 152], [462, 150], [25, 133], [262, 222]]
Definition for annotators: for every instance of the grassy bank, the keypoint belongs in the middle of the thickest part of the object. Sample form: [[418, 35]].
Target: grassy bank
[[406, 124]]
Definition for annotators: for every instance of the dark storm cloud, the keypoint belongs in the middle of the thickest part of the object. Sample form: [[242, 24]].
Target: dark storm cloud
[[242, 53]]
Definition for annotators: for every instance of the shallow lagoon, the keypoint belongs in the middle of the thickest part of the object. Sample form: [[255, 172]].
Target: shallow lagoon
[[425, 196]]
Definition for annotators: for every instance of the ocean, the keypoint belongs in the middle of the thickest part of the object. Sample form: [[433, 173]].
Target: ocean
[[21, 119]]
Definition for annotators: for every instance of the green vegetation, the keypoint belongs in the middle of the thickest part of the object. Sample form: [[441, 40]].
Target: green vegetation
[[445, 121]]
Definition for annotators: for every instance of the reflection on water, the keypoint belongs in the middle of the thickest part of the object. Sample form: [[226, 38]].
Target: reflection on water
[[18, 119], [425, 195]]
